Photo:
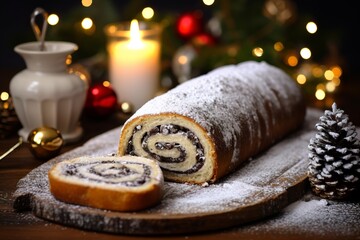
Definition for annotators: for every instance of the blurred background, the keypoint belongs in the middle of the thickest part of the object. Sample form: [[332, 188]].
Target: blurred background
[[316, 42]]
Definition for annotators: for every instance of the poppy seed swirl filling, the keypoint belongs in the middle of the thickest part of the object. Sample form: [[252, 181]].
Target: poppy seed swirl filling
[[129, 174], [170, 145]]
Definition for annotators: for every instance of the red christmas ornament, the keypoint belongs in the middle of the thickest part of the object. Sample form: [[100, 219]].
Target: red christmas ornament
[[204, 39], [189, 24], [101, 101]]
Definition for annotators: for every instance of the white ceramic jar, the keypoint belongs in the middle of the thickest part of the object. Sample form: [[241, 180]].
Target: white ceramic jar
[[45, 93]]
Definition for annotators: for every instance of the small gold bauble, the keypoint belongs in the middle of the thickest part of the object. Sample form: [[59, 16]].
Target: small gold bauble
[[45, 142]]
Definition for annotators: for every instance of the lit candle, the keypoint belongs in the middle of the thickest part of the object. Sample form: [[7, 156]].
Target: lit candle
[[134, 62]]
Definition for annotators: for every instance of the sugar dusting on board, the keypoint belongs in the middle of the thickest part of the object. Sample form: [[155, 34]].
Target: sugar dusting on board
[[263, 177], [255, 176], [312, 216]]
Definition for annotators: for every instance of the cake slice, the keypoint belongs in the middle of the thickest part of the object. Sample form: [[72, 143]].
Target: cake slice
[[126, 183]]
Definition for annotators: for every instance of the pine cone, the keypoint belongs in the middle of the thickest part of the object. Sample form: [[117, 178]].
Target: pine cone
[[334, 156]]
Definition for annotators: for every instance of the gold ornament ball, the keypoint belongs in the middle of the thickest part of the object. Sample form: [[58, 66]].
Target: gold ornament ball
[[45, 142]]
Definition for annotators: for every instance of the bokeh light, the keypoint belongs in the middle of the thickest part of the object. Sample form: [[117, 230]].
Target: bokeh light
[[292, 61], [208, 2], [86, 23], [86, 3], [53, 19], [311, 27], [257, 52], [147, 13], [305, 53], [301, 79], [278, 46]]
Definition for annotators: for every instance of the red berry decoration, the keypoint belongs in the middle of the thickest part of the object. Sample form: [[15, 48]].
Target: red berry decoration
[[101, 101], [189, 24]]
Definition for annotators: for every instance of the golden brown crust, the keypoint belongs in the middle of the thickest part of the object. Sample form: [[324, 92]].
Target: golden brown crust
[[104, 198], [117, 199]]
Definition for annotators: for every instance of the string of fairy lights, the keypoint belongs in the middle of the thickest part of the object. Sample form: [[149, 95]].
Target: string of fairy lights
[[327, 78]]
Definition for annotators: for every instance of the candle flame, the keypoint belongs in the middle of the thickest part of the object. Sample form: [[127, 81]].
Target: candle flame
[[135, 37]]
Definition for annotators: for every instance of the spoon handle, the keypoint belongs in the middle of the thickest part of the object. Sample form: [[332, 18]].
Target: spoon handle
[[39, 34]]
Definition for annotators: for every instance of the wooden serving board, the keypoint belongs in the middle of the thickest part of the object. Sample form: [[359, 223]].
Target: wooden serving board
[[261, 187]]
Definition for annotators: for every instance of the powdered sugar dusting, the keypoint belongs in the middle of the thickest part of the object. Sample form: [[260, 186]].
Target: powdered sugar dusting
[[196, 199], [312, 216], [254, 176], [229, 96], [264, 177]]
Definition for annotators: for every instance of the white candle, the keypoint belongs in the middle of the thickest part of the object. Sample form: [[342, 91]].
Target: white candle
[[134, 65]]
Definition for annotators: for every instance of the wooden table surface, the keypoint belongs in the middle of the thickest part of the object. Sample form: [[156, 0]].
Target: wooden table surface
[[24, 225]]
